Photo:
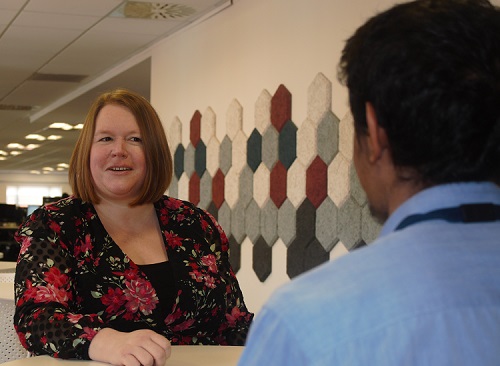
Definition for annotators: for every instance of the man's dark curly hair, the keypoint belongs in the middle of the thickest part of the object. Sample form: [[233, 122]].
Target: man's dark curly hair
[[431, 69]]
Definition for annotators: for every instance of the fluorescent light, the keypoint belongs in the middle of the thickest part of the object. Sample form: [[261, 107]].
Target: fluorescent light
[[63, 165], [15, 153], [54, 137], [61, 125], [32, 146], [15, 145], [35, 136]]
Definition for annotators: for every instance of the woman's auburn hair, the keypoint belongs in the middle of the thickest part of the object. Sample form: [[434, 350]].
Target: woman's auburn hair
[[159, 164]]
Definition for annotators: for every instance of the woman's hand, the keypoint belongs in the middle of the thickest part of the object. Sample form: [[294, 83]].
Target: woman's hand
[[138, 348]]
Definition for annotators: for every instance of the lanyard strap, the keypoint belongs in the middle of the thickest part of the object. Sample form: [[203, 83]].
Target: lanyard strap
[[475, 212]]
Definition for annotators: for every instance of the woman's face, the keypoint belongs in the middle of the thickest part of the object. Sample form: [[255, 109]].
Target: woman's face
[[117, 159]]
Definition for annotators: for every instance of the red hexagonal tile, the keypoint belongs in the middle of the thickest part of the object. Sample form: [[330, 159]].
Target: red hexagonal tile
[[317, 181], [281, 107], [195, 128], [218, 189], [278, 184]]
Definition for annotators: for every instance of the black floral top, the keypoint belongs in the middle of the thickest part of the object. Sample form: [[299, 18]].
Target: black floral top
[[72, 280]]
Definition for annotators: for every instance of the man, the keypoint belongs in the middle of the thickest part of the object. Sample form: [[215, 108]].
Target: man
[[424, 89]]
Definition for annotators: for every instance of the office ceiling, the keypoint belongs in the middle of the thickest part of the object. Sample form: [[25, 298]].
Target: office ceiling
[[57, 55]]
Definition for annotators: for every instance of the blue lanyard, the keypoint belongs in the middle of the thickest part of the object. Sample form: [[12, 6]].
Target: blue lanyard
[[475, 212]]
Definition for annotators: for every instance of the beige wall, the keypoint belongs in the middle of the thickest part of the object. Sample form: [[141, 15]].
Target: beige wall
[[251, 46]]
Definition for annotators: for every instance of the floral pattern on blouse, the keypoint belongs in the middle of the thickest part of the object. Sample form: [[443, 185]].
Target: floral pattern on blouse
[[72, 280]]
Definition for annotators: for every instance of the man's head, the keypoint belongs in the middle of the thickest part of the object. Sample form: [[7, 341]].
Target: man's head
[[431, 71]]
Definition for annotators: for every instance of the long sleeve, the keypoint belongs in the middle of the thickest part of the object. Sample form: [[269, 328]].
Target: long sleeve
[[48, 317]]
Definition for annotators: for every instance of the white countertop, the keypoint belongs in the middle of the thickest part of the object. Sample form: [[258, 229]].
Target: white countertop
[[181, 356]]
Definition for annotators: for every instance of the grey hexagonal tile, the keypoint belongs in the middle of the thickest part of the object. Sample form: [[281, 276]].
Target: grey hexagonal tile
[[346, 135], [307, 142], [338, 179], [175, 133], [239, 151], [245, 185], [296, 183], [225, 155], [262, 259], [304, 255], [326, 224], [356, 191], [370, 228], [224, 218], [234, 254], [349, 223], [269, 222], [328, 137], [205, 190], [287, 224], [238, 222], [189, 155], [270, 140], [252, 221]]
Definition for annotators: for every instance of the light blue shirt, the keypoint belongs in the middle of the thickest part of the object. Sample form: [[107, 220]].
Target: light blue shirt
[[428, 294]]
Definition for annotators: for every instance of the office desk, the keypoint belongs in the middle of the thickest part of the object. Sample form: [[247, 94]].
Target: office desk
[[181, 356]]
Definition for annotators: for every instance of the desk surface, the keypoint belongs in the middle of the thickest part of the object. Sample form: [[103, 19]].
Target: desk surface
[[181, 356], [6, 265]]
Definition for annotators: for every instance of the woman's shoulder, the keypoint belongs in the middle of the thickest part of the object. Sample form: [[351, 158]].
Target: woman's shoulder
[[185, 210]]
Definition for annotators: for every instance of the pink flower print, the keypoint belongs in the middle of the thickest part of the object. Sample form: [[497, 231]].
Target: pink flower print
[[210, 262], [114, 299], [54, 277], [183, 326], [141, 296], [235, 315], [25, 244], [74, 318], [210, 282], [50, 293], [89, 333], [87, 245], [196, 275], [173, 240]]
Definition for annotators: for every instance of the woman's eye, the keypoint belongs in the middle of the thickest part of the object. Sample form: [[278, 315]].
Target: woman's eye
[[136, 139], [105, 139]]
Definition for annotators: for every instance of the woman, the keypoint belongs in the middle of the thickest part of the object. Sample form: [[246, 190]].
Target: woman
[[117, 272]]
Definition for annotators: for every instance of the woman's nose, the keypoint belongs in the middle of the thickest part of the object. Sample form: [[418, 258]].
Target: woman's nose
[[119, 148]]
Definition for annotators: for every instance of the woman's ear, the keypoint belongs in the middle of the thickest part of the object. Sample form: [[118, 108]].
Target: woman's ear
[[377, 137]]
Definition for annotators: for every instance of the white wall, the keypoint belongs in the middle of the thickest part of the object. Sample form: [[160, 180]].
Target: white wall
[[251, 46]]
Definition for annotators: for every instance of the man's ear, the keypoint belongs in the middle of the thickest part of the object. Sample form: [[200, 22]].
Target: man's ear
[[377, 137]]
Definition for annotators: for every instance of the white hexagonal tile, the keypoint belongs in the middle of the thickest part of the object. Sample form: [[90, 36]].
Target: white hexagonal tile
[[231, 185], [261, 185], [263, 111], [239, 151], [319, 98], [183, 187], [213, 149], [296, 183], [338, 180], [346, 135], [234, 119], [307, 142], [175, 132], [208, 120]]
